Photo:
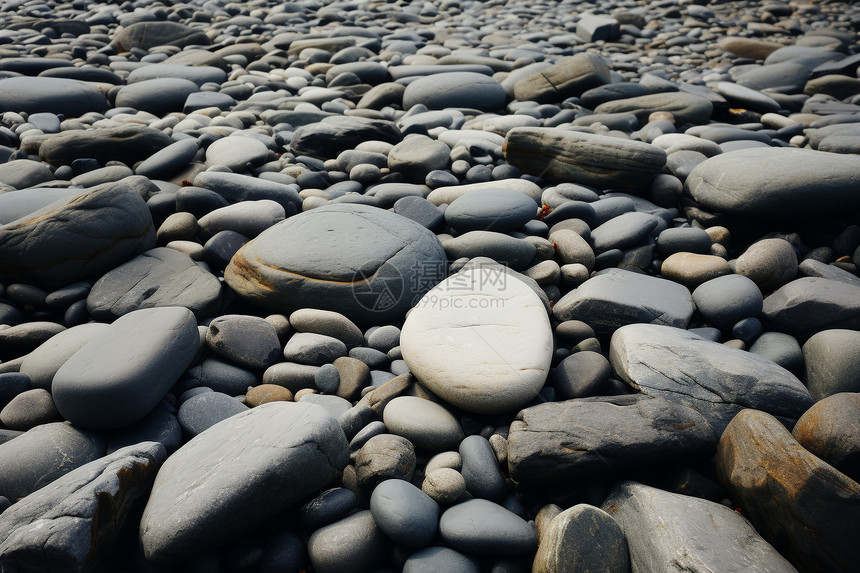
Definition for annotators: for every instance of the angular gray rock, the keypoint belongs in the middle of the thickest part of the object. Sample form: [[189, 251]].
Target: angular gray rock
[[75, 522], [236, 475], [159, 277], [712, 378], [122, 373], [366, 263], [559, 441], [669, 531], [568, 77], [808, 305], [77, 236], [580, 539], [777, 183], [616, 297]]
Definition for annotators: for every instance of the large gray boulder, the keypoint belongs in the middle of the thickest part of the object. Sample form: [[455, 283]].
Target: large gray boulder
[[238, 474], [777, 183], [810, 304], [122, 373], [75, 523], [77, 236], [673, 532], [368, 264], [712, 378]]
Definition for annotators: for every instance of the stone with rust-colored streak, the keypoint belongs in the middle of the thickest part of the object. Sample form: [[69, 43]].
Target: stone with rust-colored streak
[[800, 504], [831, 431], [597, 160]]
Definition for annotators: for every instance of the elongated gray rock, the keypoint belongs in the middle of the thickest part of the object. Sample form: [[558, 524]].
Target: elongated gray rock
[[712, 378], [77, 236], [122, 373], [236, 475], [42, 364], [616, 297], [456, 90], [481, 527], [56, 95], [777, 183], [559, 441], [74, 523], [366, 263], [808, 305], [673, 532], [332, 135], [127, 143], [596, 160], [794, 499], [685, 107], [158, 277]]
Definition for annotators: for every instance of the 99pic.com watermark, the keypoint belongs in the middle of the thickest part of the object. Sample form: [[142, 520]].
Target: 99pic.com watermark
[[428, 283]]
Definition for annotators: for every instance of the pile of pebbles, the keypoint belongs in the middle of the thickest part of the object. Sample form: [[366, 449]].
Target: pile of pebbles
[[429, 286]]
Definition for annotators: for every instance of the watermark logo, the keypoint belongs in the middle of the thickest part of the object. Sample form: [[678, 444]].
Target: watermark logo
[[380, 291]]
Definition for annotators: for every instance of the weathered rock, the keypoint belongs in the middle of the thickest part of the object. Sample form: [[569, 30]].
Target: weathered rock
[[616, 297], [56, 95], [455, 90], [589, 159], [580, 539], [145, 35], [363, 262], [808, 305], [75, 522], [328, 138], [566, 78], [827, 430], [236, 475], [158, 277], [832, 362], [77, 236], [685, 107], [559, 441], [667, 531], [128, 143], [795, 500], [712, 378]]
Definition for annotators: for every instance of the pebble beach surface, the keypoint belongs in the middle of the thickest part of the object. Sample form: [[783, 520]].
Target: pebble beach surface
[[442, 286]]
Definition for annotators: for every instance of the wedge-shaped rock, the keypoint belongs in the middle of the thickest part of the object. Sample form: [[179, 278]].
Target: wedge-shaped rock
[[597, 160], [75, 523], [159, 277], [238, 474], [810, 304], [568, 77], [802, 505], [615, 298], [557, 441], [673, 532], [777, 183], [76, 236], [712, 378]]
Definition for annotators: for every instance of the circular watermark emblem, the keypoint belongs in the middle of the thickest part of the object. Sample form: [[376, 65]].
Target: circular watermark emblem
[[379, 291]]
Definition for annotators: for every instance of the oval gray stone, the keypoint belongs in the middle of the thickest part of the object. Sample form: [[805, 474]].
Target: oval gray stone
[[456, 90], [481, 527], [236, 475], [490, 210], [426, 424], [363, 262], [124, 371], [404, 513], [56, 95]]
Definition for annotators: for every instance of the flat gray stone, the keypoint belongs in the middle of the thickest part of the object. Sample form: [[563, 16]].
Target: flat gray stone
[[237, 152], [169, 160], [560, 441], [238, 474], [404, 513], [47, 452], [777, 183], [75, 522], [23, 173], [501, 247], [158, 277], [686, 107], [77, 236], [197, 74], [127, 143], [351, 545], [428, 425], [808, 305], [328, 138], [566, 78], [668, 531], [42, 364], [368, 264], [122, 373], [616, 297], [490, 210], [157, 96], [146, 35], [418, 155], [248, 341], [724, 301], [712, 378]]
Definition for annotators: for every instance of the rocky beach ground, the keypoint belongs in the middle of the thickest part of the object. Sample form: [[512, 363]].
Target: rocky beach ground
[[442, 286]]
